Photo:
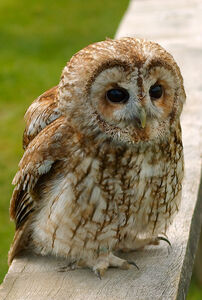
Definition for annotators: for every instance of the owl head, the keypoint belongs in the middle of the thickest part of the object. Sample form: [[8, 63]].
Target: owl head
[[126, 90]]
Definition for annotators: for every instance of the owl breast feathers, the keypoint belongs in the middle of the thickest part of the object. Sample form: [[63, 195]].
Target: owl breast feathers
[[103, 163]]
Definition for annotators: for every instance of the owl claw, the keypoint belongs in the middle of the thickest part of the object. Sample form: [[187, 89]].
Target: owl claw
[[118, 262], [99, 272], [126, 265], [133, 263], [162, 238]]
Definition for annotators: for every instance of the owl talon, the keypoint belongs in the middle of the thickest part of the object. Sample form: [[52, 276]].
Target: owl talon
[[128, 265], [133, 263], [99, 272], [115, 261], [162, 238]]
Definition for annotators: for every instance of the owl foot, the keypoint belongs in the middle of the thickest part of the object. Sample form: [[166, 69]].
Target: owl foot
[[112, 261], [101, 266]]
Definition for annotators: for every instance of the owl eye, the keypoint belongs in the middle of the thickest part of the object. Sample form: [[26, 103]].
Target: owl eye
[[156, 91], [118, 95]]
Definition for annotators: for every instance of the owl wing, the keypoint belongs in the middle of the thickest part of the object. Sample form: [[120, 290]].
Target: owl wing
[[42, 152], [41, 112]]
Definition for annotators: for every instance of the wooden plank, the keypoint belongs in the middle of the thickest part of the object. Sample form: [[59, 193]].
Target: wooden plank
[[164, 273]]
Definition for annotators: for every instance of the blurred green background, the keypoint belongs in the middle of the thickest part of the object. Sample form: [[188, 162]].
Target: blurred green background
[[37, 37]]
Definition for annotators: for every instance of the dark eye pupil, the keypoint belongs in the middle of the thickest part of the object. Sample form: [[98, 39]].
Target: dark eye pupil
[[156, 91], [118, 95]]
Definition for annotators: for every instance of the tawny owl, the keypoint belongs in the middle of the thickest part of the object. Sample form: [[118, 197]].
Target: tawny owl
[[103, 163]]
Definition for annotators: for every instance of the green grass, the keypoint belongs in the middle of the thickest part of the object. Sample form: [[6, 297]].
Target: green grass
[[37, 37], [195, 290]]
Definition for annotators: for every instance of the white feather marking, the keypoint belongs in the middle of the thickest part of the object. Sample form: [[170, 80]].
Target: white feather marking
[[45, 167]]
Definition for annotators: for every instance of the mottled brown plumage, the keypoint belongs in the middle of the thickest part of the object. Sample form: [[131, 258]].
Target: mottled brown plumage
[[98, 174]]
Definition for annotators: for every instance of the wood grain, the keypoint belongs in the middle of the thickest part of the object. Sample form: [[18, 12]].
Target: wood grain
[[164, 272]]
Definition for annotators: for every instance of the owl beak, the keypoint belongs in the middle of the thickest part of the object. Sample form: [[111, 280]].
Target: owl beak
[[142, 117]]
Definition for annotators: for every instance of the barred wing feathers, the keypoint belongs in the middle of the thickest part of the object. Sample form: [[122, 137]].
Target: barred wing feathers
[[43, 111], [42, 152]]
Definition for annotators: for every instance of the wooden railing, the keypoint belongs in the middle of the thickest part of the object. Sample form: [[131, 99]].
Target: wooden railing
[[164, 272]]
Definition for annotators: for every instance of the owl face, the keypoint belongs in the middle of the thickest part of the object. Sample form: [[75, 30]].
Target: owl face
[[128, 90]]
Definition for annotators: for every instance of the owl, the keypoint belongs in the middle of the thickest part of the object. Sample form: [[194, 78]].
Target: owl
[[103, 163]]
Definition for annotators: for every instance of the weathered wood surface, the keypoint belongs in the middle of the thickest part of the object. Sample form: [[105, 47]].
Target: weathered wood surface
[[164, 272]]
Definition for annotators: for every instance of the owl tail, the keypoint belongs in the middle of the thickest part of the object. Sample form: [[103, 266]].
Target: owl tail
[[19, 243]]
